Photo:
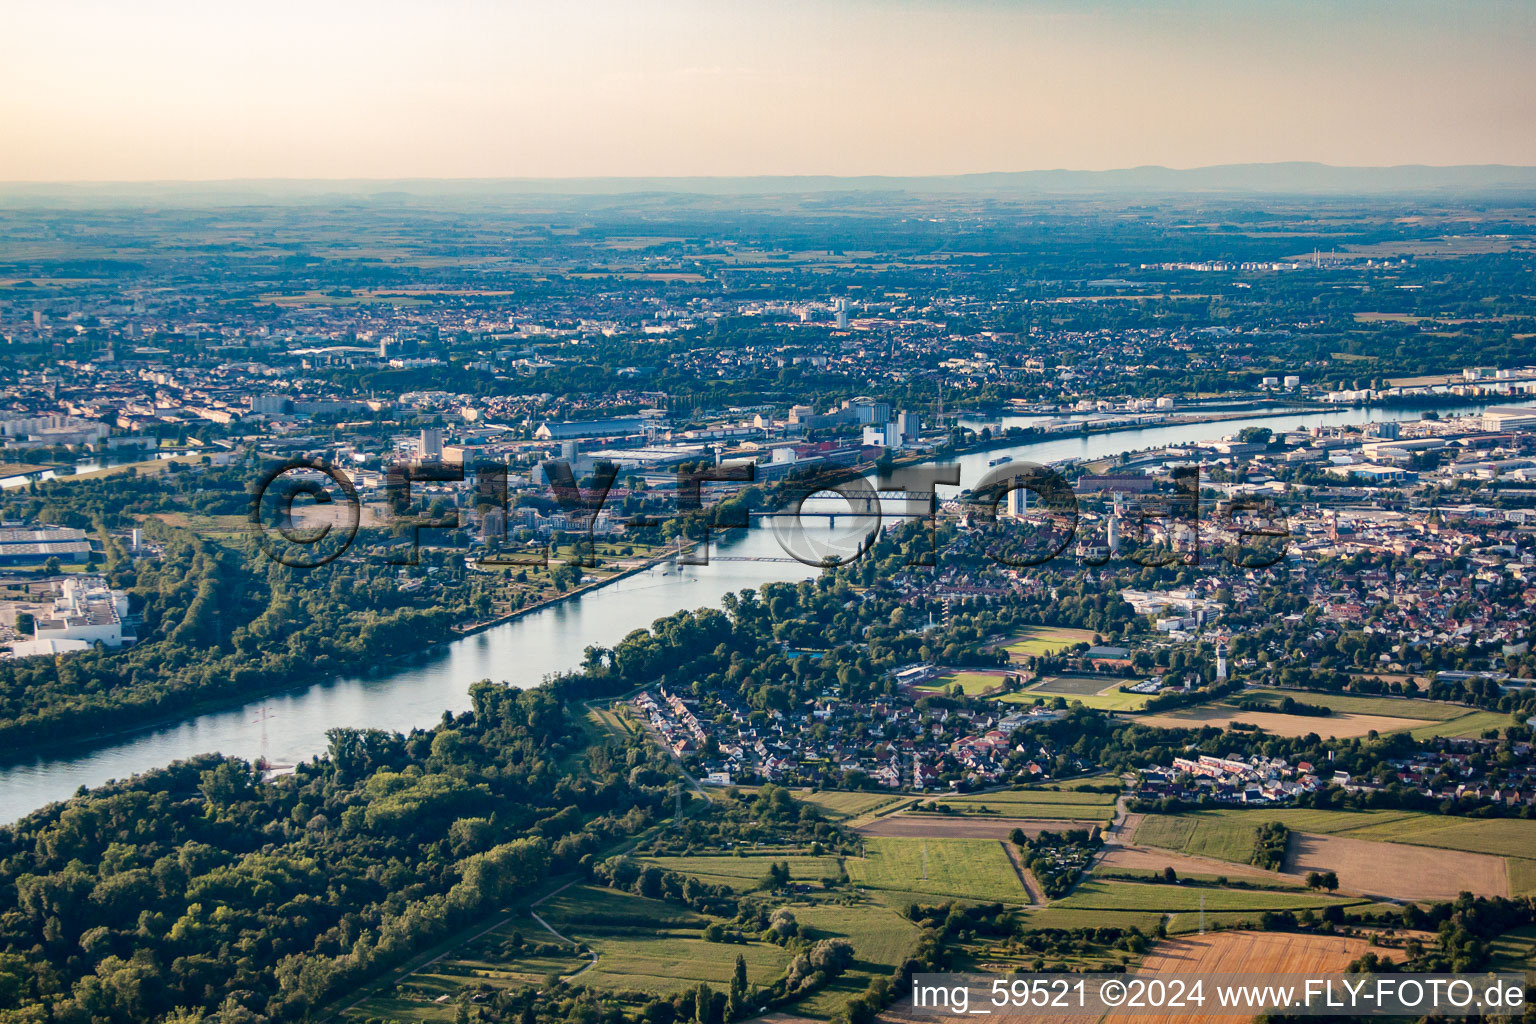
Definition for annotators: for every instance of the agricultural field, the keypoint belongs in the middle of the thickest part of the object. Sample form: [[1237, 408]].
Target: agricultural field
[[881, 939], [1237, 952], [1095, 894], [1353, 716], [839, 805], [959, 826], [1390, 707], [1072, 806], [744, 873], [1514, 951], [1033, 641], [1469, 726], [1228, 835], [1224, 716], [504, 957], [1398, 871], [920, 869], [1057, 916], [649, 945], [1152, 860]]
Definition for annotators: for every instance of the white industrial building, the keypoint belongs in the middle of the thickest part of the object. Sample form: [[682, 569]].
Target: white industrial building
[[1505, 418], [86, 609]]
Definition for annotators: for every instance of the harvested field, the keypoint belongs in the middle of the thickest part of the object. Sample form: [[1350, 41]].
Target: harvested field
[[1397, 871], [1339, 726], [1237, 953], [1148, 858], [933, 826]]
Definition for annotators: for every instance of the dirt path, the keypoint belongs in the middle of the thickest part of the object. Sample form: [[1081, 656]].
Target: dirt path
[[1026, 877], [563, 938]]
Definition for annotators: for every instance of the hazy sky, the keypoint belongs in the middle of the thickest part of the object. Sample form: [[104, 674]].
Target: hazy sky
[[455, 88]]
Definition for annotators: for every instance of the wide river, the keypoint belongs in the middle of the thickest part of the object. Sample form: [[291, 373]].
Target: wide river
[[291, 727]]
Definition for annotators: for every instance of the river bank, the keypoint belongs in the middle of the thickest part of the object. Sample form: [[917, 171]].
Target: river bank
[[16, 753], [521, 651]]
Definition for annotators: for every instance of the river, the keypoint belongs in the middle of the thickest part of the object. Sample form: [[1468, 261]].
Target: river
[[291, 727]]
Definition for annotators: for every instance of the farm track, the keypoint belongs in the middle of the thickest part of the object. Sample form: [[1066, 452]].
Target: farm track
[[1026, 877], [563, 938]]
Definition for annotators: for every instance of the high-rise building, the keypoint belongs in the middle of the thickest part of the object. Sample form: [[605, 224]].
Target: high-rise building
[[842, 314], [910, 424], [1221, 659], [431, 446]]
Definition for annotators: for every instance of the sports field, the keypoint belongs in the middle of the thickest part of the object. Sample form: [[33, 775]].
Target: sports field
[[973, 684], [1032, 641], [1100, 692]]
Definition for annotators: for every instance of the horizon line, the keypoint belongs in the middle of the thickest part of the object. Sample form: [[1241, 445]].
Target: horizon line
[[883, 175]]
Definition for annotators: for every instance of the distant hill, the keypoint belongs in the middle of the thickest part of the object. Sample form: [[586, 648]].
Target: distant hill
[[1233, 179]]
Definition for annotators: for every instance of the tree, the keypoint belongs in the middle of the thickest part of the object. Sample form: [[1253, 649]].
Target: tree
[[1170, 876], [1314, 880], [739, 977], [1330, 880]]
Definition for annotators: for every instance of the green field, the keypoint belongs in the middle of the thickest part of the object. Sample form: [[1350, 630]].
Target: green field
[[1228, 834], [1391, 707], [839, 805], [1522, 876], [1109, 698], [1087, 807], [1514, 951], [1057, 916], [657, 957], [1469, 726], [1101, 895], [974, 869], [973, 684], [480, 960], [881, 939], [1038, 640], [743, 873], [1033, 796]]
